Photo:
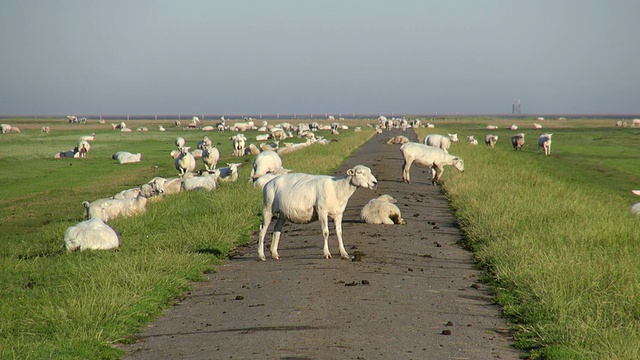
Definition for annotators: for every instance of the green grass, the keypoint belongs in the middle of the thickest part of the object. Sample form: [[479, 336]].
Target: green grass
[[76, 306], [555, 235]]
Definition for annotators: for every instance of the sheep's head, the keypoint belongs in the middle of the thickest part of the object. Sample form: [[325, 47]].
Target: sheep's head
[[361, 176], [458, 164]]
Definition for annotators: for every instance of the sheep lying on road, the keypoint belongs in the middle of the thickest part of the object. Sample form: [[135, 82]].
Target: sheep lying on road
[[124, 157], [382, 210], [517, 141], [400, 139], [91, 234], [544, 142], [427, 156], [303, 198]]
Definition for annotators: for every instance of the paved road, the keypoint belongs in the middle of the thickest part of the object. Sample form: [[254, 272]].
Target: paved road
[[410, 293]]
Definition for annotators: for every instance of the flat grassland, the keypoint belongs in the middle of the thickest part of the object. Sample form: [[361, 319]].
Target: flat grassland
[[553, 233]]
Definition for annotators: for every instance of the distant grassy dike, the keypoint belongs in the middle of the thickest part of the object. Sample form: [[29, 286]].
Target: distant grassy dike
[[554, 234]]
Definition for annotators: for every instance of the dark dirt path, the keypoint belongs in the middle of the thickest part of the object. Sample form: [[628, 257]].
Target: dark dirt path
[[407, 286]]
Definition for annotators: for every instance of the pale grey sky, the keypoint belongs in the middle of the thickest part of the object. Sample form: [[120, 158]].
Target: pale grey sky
[[315, 57]]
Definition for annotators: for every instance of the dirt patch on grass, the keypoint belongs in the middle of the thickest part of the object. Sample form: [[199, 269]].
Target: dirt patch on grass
[[409, 292]]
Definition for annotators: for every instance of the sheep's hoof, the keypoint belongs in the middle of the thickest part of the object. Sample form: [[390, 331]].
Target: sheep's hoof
[[327, 256], [263, 258], [346, 257], [275, 256]]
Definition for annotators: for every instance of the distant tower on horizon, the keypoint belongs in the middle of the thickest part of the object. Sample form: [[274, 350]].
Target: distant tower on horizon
[[515, 108]]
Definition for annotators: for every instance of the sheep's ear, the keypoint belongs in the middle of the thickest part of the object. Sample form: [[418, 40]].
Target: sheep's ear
[[456, 158], [351, 172]]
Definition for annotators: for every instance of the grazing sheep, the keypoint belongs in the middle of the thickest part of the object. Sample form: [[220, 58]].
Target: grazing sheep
[[46, 129], [180, 142], [517, 141], [125, 157], [382, 210], [440, 141], [303, 198], [229, 173], [400, 139], [471, 140], [427, 156], [205, 182], [210, 157], [185, 162], [239, 143], [491, 140], [635, 208], [544, 142], [91, 234], [264, 162]]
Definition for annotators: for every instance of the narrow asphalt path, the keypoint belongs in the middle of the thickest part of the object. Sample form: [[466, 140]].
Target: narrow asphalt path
[[411, 292]]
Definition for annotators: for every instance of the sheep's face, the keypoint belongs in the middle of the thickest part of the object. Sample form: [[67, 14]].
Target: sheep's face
[[458, 164], [361, 176]]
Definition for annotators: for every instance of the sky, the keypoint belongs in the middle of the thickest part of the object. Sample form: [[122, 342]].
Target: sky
[[319, 57]]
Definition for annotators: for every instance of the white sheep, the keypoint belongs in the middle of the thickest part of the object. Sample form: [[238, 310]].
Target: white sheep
[[185, 162], [400, 139], [303, 198], [252, 149], [537, 126], [167, 186], [5, 128], [46, 129], [427, 156], [228, 173], [203, 143], [239, 143], [83, 148], [440, 141], [91, 137], [206, 182], [514, 127], [517, 141], [490, 140], [471, 140], [125, 157], [382, 210], [635, 208], [210, 157], [264, 162], [180, 142], [67, 154], [261, 181], [544, 142], [108, 209], [91, 234]]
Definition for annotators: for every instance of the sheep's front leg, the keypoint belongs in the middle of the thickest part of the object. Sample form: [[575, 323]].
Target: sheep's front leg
[[324, 224], [338, 222], [277, 230], [266, 220], [436, 173]]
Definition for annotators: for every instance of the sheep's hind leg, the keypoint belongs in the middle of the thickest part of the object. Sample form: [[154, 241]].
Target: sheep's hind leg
[[275, 239], [324, 224]]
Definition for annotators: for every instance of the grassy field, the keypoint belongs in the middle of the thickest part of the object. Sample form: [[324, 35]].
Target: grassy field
[[75, 306], [554, 234]]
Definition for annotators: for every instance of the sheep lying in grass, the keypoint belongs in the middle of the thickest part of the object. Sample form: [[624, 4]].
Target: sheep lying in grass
[[303, 198], [400, 139], [471, 140], [441, 141], [264, 162], [124, 157], [427, 156], [491, 140], [544, 142], [382, 210], [67, 154], [166, 186], [91, 234], [517, 141], [227, 174], [635, 208], [206, 182], [108, 209]]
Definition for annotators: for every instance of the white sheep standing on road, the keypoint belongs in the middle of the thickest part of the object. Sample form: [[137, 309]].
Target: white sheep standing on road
[[544, 142], [491, 140], [382, 210], [303, 198], [441, 141], [91, 234], [185, 162], [427, 156]]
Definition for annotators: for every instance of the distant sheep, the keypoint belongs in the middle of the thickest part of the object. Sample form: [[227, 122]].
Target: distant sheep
[[204, 143], [5, 128], [382, 210], [180, 142], [491, 140], [400, 139], [239, 143], [46, 129], [537, 126], [492, 127], [544, 143], [91, 234], [471, 140], [427, 156], [514, 127], [517, 141], [125, 157], [67, 154], [303, 198]]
